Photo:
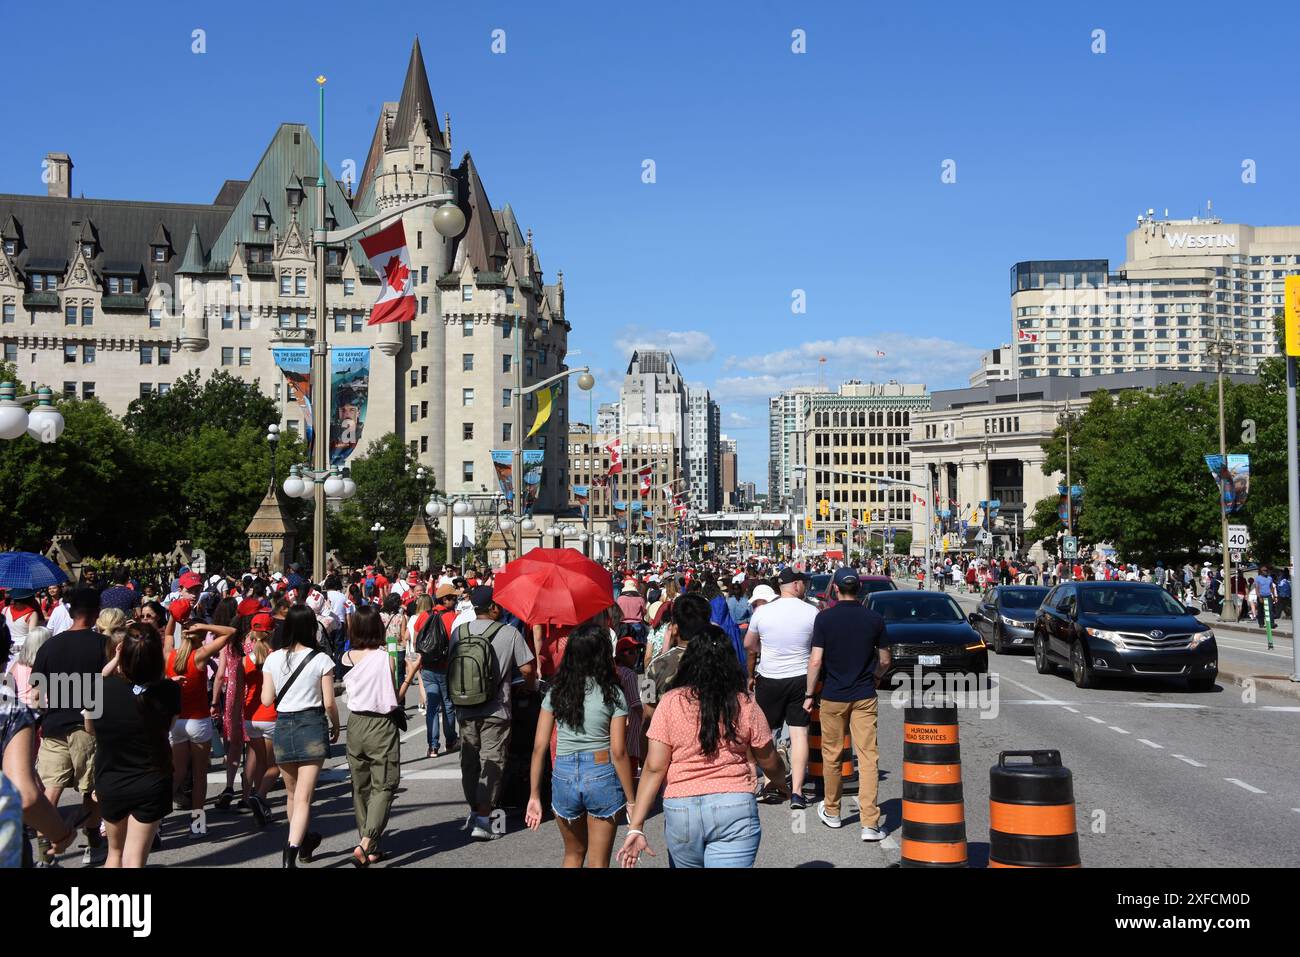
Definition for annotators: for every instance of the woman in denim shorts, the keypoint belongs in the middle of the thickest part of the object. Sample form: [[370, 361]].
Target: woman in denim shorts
[[591, 780]]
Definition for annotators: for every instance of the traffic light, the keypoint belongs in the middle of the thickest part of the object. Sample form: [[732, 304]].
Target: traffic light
[[824, 508], [807, 523]]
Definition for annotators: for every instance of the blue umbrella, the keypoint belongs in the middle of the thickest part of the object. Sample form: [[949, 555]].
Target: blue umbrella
[[27, 570]]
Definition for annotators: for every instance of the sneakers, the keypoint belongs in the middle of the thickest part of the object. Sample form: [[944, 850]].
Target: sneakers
[[873, 834], [798, 802], [826, 818], [225, 799], [483, 830]]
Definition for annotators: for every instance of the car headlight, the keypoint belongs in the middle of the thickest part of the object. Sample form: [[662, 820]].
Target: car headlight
[[1200, 638], [1113, 637], [977, 646], [1013, 623]]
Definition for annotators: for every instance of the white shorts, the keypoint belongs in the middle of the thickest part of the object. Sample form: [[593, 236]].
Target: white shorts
[[259, 729], [193, 730]]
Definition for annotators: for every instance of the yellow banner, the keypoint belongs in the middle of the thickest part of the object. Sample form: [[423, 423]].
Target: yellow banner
[[1293, 315], [543, 411]]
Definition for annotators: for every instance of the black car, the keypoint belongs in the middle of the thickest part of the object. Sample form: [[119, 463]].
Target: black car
[[1005, 616], [928, 629], [1123, 629]]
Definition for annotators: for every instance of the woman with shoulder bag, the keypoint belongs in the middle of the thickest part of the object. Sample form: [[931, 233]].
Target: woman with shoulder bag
[[374, 721], [298, 681]]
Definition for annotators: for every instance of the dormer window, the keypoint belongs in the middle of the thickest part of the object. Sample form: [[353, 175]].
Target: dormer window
[[159, 253], [88, 250], [331, 224], [294, 194], [333, 257], [11, 247], [261, 223]]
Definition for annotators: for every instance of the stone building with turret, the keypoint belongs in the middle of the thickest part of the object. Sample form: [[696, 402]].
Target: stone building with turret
[[112, 299]]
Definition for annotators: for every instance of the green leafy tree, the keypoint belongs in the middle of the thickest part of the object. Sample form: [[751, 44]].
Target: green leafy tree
[[88, 483], [224, 402]]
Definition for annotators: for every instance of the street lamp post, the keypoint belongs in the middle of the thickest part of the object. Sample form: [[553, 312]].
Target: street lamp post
[[448, 220], [586, 382], [273, 437], [377, 529], [1222, 349], [44, 423]]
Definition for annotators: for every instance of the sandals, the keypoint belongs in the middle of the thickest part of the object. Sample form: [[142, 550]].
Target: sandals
[[359, 858]]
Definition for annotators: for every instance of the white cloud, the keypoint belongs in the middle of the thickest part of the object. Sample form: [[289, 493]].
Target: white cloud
[[687, 346], [738, 421], [937, 363]]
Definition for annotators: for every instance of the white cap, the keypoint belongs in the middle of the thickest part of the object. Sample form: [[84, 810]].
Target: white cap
[[738, 578], [763, 593], [629, 584]]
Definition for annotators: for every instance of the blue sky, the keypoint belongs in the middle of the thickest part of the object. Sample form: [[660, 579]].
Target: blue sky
[[775, 171]]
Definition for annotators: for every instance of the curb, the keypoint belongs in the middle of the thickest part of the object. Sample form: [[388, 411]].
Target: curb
[[1239, 674]]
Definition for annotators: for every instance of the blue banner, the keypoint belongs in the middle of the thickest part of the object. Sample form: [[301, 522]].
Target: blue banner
[[296, 366], [349, 395]]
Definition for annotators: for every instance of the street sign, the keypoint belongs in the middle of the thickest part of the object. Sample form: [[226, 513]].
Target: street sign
[[1070, 546], [1293, 315], [1238, 537], [1236, 554], [985, 537]]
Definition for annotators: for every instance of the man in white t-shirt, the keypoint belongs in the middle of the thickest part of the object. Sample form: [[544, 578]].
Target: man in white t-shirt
[[780, 639]]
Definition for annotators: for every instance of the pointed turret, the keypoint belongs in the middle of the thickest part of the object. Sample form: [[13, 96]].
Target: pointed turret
[[482, 243], [416, 104], [194, 261]]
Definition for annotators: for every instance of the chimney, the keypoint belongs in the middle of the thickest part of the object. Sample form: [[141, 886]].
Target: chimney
[[58, 175]]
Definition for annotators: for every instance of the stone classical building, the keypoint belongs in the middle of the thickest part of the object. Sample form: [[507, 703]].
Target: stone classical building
[[112, 299], [985, 444], [588, 460]]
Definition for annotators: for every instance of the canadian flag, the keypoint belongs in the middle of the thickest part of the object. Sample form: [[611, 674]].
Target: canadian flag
[[615, 457], [679, 506], [644, 475], [1028, 336], [387, 253]]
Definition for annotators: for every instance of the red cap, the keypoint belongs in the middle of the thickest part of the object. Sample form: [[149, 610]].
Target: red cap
[[263, 621], [626, 644], [413, 577], [190, 580], [180, 609]]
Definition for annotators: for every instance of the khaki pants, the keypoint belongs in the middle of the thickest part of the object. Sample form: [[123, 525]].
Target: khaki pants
[[374, 760], [483, 746], [859, 717]]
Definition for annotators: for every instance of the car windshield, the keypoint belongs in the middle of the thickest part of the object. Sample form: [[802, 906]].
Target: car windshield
[[867, 586], [1128, 600], [1023, 597], [903, 607], [818, 583]]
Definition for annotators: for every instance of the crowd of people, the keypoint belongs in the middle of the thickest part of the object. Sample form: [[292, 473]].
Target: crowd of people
[[690, 694]]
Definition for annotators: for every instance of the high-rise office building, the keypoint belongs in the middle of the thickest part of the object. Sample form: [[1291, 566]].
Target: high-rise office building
[[703, 430], [787, 416]]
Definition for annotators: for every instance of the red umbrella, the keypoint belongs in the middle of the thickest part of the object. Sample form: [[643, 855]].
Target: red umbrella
[[553, 586]]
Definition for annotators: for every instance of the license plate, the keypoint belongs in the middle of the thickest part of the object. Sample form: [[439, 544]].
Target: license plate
[[929, 659]]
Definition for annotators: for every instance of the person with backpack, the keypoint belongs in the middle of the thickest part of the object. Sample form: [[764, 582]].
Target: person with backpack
[[485, 658], [432, 645]]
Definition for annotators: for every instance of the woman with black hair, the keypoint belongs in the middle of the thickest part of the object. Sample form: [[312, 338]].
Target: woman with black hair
[[133, 756], [298, 681], [700, 738], [591, 780]]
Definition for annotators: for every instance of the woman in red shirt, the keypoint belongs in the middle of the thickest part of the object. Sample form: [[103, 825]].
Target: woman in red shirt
[[261, 771], [191, 735]]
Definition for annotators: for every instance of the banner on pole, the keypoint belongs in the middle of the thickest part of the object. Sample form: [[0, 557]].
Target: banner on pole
[[349, 395], [295, 364], [503, 463], [1233, 478], [543, 411], [533, 459]]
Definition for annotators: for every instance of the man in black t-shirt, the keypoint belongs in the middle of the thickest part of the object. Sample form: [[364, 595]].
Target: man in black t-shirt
[[67, 671], [847, 639]]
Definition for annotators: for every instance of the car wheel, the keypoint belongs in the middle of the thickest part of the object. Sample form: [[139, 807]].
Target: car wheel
[[1044, 666], [997, 640], [1201, 684], [1080, 669]]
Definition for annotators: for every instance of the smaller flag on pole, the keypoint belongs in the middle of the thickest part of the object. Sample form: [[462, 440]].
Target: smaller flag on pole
[[615, 457], [543, 410], [387, 253]]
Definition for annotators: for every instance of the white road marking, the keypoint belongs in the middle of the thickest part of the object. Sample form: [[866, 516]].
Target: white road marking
[[1120, 730], [1151, 744], [1275, 707], [1097, 720], [1242, 784], [1186, 760], [1250, 650], [1072, 710], [1037, 701], [1033, 691], [1165, 704]]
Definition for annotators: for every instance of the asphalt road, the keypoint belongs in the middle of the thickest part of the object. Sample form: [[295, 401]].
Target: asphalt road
[[1162, 777]]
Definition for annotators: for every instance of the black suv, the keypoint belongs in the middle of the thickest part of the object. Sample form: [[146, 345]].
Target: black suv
[[1123, 629]]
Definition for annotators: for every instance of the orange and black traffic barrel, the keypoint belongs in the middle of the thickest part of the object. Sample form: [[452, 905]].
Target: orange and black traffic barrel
[[934, 818], [816, 767], [1031, 812]]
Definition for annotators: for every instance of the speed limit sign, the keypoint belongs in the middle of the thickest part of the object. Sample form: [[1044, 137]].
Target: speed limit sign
[[1238, 537]]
